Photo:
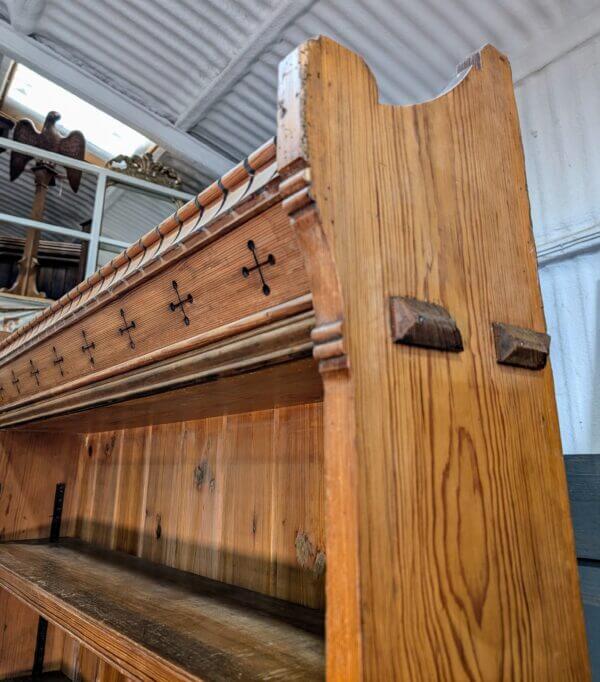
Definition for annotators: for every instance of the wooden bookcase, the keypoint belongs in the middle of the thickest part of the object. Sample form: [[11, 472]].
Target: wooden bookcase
[[306, 426]]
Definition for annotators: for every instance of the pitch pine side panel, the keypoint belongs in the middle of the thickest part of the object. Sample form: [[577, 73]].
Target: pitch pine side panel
[[447, 503], [30, 467]]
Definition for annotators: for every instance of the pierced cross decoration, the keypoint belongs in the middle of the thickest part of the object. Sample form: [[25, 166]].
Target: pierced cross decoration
[[16, 381], [127, 328], [1, 392], [270, 260], [34, 372], [58, 360], [181, 303], [88, 347]]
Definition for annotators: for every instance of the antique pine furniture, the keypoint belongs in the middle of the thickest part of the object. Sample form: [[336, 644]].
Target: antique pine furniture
[[325, 376]]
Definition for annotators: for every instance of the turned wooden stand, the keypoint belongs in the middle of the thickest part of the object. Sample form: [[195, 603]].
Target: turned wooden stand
[[26, 282]]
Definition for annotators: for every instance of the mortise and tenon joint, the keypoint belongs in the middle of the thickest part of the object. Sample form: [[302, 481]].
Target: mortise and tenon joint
[[520, 347], [420, 323]]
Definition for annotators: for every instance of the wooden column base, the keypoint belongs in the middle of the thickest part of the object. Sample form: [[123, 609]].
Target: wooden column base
[[26, 282]]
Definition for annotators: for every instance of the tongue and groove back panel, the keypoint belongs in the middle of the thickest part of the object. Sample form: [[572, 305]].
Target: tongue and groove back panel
[[31, 465], [237, 498]]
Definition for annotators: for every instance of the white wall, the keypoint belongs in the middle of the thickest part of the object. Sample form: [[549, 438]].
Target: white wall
[[559, 108]]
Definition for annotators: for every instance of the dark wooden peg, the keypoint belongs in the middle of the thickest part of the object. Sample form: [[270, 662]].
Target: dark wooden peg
[[420, 323], [520, 347]]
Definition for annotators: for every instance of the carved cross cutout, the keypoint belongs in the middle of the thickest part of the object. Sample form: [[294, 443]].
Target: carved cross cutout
[[181, 303], [1, 392], [16, 381], [88, 347], [58, 360], [126, 329], [35, 372], [270, 260]]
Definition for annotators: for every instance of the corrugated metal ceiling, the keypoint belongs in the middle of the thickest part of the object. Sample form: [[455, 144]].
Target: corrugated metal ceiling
[[412, 47], [166, 57], [160, 54]]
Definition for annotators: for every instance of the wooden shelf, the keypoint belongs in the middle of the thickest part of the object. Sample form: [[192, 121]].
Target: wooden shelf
[[154, 622]]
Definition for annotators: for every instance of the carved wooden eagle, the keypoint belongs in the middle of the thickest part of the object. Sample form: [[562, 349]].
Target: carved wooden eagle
[[73, 145]]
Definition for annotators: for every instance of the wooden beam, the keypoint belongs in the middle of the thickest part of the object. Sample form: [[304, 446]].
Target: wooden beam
[[198, 629], [49, 64]]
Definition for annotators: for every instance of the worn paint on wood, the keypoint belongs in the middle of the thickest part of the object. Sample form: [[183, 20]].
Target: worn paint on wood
[[159, 623]]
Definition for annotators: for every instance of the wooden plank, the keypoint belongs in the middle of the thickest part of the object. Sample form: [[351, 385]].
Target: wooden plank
[[283, 335], [86, 350], [246, 186], [236, 498], [287, 383], [450, 546], [583, 478], [84, 665], [30, 467], [153, 622]]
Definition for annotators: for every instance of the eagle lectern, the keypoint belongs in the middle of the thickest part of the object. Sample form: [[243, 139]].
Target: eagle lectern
[[45, 174]]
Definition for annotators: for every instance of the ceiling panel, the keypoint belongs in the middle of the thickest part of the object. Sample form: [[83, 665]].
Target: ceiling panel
[[212, 65], [158, 53], [412, 47]]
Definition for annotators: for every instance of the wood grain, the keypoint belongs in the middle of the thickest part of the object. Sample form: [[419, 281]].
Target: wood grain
[[449, 541], [237, 498], [221, 296], [275, 385], [30, 467], [84, 665], [224, 497], [240, 193], [235, 361], [157, 623]]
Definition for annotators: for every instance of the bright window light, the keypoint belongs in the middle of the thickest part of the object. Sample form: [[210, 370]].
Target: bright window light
[[31, 92]]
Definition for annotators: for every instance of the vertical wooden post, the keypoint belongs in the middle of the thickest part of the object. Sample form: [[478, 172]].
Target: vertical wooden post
[[26, 282], [450, 547]]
